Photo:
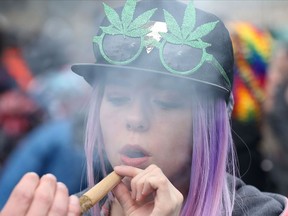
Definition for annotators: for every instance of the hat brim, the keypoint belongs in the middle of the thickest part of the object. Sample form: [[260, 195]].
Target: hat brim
[[91, 72]]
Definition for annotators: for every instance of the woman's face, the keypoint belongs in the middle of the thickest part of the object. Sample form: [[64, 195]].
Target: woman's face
[[147, 120]]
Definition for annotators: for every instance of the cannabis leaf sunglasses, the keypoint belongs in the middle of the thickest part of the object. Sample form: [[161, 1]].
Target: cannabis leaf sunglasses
[[134, 36]]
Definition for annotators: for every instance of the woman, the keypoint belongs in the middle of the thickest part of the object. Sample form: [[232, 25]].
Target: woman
[[160, 117]]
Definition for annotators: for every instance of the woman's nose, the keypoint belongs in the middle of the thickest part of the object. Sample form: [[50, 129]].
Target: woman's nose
[[138, 117]]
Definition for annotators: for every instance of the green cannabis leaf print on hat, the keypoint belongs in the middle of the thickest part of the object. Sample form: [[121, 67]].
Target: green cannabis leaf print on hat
[[130, 31], [185, 37], [123, 40]]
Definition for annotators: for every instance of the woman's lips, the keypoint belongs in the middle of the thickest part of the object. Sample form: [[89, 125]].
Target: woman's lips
[[134, 155], [135, 162]]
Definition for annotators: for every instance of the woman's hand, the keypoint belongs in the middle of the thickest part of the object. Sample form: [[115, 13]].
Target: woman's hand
[[34, 196], [151, 192]]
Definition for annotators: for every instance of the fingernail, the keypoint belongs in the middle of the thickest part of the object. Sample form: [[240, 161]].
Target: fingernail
[[49, 175], [118, 169], [61, 185], [32, 175], [74, 200]]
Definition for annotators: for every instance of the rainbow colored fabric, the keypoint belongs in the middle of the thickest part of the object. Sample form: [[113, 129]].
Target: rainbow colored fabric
[[252, 50]]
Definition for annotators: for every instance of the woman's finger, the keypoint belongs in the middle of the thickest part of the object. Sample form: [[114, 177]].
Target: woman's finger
[[61, 201], [128, 171], [21, 196], [74, 206], [137, 184], [165, 191], [123, 195], [151, 188], [44, 196], [132, 172], [139, 179]]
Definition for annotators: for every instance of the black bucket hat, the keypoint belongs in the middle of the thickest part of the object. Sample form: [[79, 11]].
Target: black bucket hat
[[163, 37]]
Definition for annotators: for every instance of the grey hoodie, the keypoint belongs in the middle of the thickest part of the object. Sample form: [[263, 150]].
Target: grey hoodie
[[250, 201]]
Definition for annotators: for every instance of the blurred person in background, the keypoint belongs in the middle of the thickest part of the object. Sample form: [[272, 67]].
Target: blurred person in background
[[19, 112], [252, 50], [55, 146], [276, 117], [19, 115]]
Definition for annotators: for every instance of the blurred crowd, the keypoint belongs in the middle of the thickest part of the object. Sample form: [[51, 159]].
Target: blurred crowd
[[42, 108], [260, 115], [42, 112]]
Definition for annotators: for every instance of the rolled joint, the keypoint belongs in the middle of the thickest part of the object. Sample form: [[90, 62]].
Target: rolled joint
[[85, 203]]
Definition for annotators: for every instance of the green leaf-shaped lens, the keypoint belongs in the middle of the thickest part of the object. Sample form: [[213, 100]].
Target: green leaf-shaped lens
[[128, 12], [128, 29], [202, 30], [141, 20], [112, 16], [171, 38], [172, 25], [188, 21]]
